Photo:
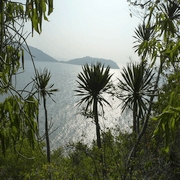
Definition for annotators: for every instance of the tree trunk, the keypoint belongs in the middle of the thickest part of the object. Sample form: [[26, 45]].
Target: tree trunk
[[47, 137], [135, 118], [138, 121], [47, 132], [98, 134]]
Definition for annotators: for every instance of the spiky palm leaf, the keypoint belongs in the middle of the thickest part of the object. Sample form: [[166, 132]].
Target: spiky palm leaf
[[92, 83], [135, 87], [171, 10], [144, 37], [42, 79], [143, 33], [170, 18]]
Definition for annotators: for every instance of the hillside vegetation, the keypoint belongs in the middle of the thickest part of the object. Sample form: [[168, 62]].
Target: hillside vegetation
[[149, 88]]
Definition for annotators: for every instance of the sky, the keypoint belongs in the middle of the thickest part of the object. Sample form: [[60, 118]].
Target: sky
[[96, 28]]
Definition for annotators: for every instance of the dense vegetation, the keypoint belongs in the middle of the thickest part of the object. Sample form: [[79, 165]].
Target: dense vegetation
[[149, 88]]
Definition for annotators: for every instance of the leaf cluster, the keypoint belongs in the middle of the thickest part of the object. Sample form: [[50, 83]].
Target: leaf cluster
[[92, 83], [42, 86], [136, 86]]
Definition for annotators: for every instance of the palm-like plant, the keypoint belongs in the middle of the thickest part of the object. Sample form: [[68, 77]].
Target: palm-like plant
[[92, 83], [171, 12], [135, 87], [145, 38], [42, 79]]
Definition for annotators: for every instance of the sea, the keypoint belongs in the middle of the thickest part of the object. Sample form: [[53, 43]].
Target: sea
[[66, 123]]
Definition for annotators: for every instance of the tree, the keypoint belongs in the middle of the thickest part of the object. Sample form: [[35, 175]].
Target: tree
[[144, 36], [42, 80], [92, 83], [136, 88], [18, 112], [162, 18]]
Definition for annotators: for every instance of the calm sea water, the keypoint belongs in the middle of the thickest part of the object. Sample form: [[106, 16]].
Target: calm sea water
[[67, 123]]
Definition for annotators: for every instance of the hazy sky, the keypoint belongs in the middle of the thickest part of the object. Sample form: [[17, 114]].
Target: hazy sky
[[96, 28]]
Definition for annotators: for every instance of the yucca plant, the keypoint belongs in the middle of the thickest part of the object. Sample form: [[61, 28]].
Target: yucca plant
[[169, 18], [135, 87], [92, 83], [42, 79], [145, 39]]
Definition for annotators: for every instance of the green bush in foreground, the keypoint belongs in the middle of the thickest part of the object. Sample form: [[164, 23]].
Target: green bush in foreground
[[81, 161]]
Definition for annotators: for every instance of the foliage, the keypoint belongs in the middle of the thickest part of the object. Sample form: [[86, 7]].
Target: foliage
[[92, 83], [17, 115], [145, 37], [156, 151], [170, 85], [167, 28], [81, 161], [42, 86], [18, 112], [135, 89], [25, 160], [36, 11], [168, 119], [157, 41], [44, 89], [158, 36]]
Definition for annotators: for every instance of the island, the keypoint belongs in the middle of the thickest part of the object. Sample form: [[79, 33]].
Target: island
[[90, 60]]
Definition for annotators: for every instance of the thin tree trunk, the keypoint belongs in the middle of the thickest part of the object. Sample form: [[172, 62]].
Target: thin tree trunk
[[138, 121], [140, 135], [135, 125], [47, 132], [47, 137], [134, 121], [98, 134]]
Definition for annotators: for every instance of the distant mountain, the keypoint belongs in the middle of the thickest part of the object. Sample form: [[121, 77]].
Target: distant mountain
[[41, 56], [38, 55], [89, 60]]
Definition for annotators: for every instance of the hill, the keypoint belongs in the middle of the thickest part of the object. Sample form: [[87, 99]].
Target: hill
[[89, 60], [41, 56], [38, 55]]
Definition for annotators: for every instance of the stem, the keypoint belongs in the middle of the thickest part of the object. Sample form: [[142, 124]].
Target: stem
[[46, 132], [140, 135], [47, 135], [98, 135]]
